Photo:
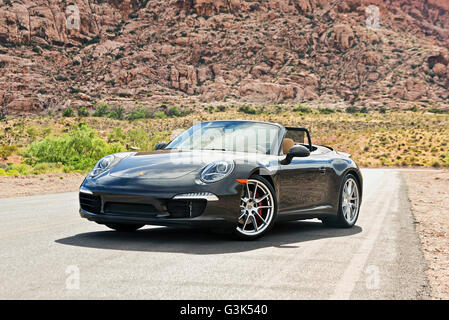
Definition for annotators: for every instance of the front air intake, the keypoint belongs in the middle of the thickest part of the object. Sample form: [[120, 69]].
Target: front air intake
[[186, 208], [90, 203]]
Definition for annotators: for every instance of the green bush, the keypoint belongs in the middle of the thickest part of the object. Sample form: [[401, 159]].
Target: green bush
[[173, 112], [102, 110], [82, 112], [117, 135], [353, 109], [79, 150], [326, 110], [117, 113], [68, 113], [247, 109], [302, 109], [7, 150], [15, 170], [138, 113], [364, 110], [438, 111], [160, 115]]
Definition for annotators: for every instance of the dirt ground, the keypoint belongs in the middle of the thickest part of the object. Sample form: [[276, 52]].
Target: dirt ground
[[39, 184], [429, 195]]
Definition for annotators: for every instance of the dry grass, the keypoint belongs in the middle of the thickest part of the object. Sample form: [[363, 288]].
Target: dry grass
[[374, 139]]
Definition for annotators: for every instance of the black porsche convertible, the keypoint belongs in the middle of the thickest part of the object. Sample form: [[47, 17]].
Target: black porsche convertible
[[240, 176]]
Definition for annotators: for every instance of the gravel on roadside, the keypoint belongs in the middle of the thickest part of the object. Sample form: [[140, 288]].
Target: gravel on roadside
[[429, 195], [39, 184]]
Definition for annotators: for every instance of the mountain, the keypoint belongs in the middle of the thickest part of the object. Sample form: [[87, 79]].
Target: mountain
[[224, 51]]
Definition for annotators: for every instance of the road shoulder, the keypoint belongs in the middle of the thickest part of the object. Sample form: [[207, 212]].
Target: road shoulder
[[39, 184], [428, 192]]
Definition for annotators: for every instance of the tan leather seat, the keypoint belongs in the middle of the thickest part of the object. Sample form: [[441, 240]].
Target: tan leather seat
[[287, 144]]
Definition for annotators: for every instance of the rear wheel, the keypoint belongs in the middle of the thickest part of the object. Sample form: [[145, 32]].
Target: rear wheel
[[123, 227], [258, 209], [349, 204]]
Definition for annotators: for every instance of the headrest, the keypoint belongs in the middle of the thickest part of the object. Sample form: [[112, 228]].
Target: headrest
[[287, 144]]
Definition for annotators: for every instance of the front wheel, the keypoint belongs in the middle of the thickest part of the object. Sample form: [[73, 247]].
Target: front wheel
[[258, 208], [123, 227], [349, 204]]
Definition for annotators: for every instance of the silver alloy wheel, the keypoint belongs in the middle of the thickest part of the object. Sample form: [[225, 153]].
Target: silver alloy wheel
[[350, 201], [256, 208]]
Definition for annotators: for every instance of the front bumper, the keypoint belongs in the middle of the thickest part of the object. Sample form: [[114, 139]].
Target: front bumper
[[160, 208], [203, 221]]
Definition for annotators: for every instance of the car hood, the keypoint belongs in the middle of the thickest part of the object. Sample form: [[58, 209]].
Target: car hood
[[171, 164]]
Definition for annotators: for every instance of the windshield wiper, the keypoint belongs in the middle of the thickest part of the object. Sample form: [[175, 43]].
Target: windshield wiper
[[213, 149]]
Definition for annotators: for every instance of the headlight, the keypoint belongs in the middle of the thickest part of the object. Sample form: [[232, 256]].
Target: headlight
[[102, 165], [216, 171]]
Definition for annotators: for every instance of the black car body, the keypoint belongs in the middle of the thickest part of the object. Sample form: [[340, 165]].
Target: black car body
[[165, 187]]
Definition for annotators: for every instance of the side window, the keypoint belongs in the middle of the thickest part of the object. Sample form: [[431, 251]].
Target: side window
[[299, 136]]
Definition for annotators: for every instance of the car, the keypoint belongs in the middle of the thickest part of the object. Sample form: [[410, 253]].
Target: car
[[240, 176]]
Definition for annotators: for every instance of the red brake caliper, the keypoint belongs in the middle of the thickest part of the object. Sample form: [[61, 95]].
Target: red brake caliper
[[260, 203]]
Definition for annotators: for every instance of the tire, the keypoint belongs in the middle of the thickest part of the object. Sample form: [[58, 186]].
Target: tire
[[124, 227], [348, 205], [261, 214]]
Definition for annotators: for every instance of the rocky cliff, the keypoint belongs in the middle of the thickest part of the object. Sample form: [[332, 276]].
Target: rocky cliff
[[60, 53]]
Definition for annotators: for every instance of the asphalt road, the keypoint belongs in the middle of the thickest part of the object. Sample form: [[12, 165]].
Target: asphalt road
[[48, 251]]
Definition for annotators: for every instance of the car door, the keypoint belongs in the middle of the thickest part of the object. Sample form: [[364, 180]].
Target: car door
[[304, 184]]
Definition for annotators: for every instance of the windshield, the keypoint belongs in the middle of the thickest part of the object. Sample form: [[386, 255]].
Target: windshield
[[240, 136]]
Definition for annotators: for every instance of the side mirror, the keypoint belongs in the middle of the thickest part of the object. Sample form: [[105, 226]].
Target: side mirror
[[160, 146], [296, 151]]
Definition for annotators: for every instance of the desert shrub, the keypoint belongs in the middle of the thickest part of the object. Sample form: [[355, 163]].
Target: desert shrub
[[247, 109], [438, 111], [21, 168], [7, 150], [138, 113], [352, 109], [221, 108], [160, 115], [124, 94], [117, 135], [326, 110], [302, 109], [82, 112], [173, 112], [117, 113], [79, 150], [68, 113], [15, 170], [140, 138], [102, 110]]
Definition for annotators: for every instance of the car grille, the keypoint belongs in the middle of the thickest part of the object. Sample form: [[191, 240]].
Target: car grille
[[90, 203], [136, 209], [186, 208]]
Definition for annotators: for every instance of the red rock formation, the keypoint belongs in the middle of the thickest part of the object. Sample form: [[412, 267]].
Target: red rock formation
[[207, 50]]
